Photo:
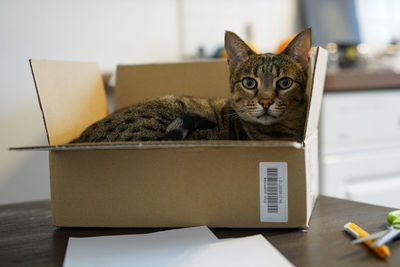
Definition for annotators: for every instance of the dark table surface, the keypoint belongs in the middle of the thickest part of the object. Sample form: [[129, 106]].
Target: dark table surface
[[27, 237]]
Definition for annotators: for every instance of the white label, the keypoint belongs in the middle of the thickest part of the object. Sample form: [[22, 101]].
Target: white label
[[273, 192]]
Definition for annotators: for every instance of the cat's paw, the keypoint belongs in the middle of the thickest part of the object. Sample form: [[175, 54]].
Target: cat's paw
[[176, 134], [182, 126]]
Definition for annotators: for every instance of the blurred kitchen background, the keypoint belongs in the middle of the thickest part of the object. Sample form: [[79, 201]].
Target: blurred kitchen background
[[360, 120]]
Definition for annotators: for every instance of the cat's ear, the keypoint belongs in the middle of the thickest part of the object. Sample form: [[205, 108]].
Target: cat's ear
[[299, 47], [236, 49]]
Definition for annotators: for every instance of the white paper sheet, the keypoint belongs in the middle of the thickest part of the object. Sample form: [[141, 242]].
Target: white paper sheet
[[193, 247], [246, 251], [166, 248]]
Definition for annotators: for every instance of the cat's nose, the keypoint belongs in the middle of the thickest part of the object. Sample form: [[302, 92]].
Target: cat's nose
[[265, 102]]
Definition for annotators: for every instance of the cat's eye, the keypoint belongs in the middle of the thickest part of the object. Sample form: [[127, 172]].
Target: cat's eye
[[284, 83], [249, 83]]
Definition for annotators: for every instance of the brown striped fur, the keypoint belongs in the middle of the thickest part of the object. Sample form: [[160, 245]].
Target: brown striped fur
[[260, 113]]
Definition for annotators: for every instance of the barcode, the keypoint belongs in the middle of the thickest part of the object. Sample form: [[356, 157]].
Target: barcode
[[272, 190]]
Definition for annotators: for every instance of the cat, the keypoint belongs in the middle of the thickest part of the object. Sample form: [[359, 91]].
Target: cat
[[268, 101]]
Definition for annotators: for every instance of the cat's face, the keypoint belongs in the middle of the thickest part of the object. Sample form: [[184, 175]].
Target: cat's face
[[265, 87]]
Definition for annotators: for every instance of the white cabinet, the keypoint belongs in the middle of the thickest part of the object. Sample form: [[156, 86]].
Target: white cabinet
[[360, 146]]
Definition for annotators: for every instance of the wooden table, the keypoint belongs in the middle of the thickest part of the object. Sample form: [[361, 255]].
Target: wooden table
[[27, 237]]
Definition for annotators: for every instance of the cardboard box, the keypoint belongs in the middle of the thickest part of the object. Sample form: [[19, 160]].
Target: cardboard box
[[170, 184]]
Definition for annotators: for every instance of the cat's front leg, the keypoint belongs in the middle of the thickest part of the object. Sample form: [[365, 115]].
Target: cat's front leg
[[183, 125]]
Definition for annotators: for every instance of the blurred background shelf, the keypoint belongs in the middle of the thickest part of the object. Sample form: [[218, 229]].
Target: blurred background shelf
[[345, 80]]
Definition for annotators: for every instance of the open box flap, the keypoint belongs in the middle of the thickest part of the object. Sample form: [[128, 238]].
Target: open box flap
[[71, 97], [315, 87], [136, 83], [162, 145]]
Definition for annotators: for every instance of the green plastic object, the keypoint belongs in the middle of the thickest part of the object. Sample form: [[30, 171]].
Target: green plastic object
[[394, 218]]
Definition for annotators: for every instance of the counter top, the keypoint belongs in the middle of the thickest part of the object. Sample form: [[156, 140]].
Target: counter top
[[357, 80]]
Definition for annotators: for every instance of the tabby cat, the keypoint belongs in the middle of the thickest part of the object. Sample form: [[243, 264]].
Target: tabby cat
[[268, 101]]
